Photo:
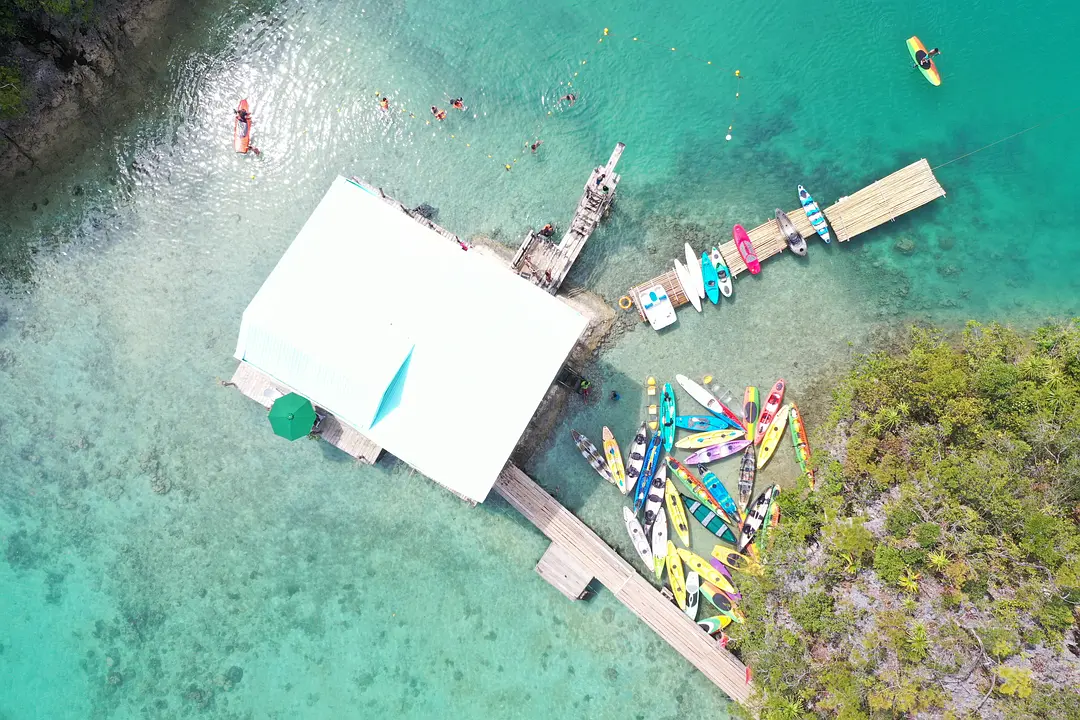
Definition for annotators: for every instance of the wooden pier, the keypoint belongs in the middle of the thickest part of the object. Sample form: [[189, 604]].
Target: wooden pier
[[886, 199], [589, 556], [546, 264]]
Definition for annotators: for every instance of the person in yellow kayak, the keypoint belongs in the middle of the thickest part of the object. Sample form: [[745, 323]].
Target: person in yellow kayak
[[925, 59]]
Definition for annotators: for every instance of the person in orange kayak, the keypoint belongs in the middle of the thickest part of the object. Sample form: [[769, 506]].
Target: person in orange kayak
[[439, 114], [458, 103], [245, 126]]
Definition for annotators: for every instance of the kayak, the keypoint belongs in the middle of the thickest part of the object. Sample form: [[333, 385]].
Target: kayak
[[703, 423], [654, 500], [794, 238], [693, 587], [675, 575], [747, 470], [637, 537], [687, 285], [768, 412], [614, 460], [802, 445], [918, 51], [814, 214], [694, 485], [242, 130], [652, 460], [637, 459], [710, 521], [715, 624], [717, 490], [659, 544], [723, 570], [673, 502], [707, 572], [693, 268], [772, 437], [712, 279], [707, 400], [746, 249], [736, 561], [716, 452], [650, 403], [703, 439], [667, 416], [751, 407], [756, 517], [723, 603], [590, 453], [722, 272]]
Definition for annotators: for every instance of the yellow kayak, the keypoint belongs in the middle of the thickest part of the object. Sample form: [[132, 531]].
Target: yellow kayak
[[705, 569], [675, 575], [736, 561], [773, 435], [677, 513], [614, 460], [704, 439]]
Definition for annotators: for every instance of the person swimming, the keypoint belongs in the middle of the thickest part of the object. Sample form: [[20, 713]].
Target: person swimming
[[439, 114], [536, 144], [458, 103], [384, 104], [570, 97]]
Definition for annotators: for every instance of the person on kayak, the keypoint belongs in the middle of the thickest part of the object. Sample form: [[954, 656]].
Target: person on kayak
[[439, 114], [924, 59], [458, 103], [245, 127]]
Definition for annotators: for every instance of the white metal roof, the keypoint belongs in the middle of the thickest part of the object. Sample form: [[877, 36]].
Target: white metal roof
[[368, 309]]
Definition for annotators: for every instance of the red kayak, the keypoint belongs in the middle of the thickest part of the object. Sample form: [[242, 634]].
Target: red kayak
[[242, 130], [746, 249]]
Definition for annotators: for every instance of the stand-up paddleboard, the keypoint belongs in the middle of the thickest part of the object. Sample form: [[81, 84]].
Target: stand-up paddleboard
[[688, 288], [746, 249], [594, 456], [710, 521], [750, 409], [716, 452], [637, 537], [614, 460], [747, 470], [814, 214], [658, 308], [768, 411], [802, 445], [654, 499], [917, 51], [636, 459], [712, 279], [673, 502], [241, 130], [756, 517], [794, 238], [667, 416], [722, 272], [708, 400], [772, 436], [703, 423], [650, 403], [693, 267], [705, 439], [659, 543], [675, 575], [693, 587]]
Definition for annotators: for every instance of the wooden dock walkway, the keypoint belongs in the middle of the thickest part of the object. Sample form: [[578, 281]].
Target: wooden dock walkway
[[884, 200], [596, 559], [546, 264]]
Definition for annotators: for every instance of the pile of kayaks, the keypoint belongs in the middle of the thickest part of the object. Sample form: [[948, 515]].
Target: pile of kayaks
[[707, 276], [666, 490]]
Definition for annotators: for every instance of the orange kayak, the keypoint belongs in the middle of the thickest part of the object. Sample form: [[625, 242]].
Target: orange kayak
[[918, 52], [242, 131]]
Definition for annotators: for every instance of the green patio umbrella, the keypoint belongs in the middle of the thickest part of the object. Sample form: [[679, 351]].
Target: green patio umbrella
[[292, 416]]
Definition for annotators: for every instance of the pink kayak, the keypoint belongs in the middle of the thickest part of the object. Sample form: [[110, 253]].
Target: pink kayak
[[746, 249], [716, 452]]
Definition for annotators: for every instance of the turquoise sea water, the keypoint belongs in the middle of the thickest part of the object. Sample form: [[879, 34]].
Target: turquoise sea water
[[276, 579]]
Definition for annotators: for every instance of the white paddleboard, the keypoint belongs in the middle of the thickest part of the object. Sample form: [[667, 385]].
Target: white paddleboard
[[687, 285], [693, 585], [637, 536], [693, 266]]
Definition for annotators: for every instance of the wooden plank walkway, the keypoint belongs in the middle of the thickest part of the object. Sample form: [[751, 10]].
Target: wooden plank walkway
[[261, 388], [559, 568], [631, 589], [906, 189], [546, 264]]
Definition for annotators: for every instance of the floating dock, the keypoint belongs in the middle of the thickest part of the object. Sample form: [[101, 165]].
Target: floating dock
[[582, 554], [546, 264], [887, 199]]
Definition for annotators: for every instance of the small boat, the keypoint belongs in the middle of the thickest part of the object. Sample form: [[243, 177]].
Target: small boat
[[751, 407], [707, 400], [673, 502], [654, 499], [590, 453], [814, 214], [688, 288], [659, 544], [756, 517], [652, 460], [614, 460], [704, 439], [736, 561], [657, 307], [716, 452], [650, 403], [722, 602], [714, 624], [702, 567], [768, 412], [694, 485], [802, 445], [723, 570], [794, 238], [772, 519], [675, 575], [667, 416], [717, 490], [637, 459], [242, 130], [710, 521], [747, 470], [917, 51], [723, 274], [773, 436], [746, 249], [693, 587], [703, 423], [637, 537], [712, 279], [693, 268]]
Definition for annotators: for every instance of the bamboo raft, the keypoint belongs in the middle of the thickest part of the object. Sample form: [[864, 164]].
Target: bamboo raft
[[884, 200], [586, 555]]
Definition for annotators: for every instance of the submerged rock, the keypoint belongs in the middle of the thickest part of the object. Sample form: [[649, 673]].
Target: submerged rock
[[905, 246]]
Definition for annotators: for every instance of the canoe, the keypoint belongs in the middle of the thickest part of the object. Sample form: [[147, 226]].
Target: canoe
[[637, 459], [736, 561], [793, 237], [768, 411], [717, 490], [242, 131], [693, 268], [590, 453], [652, 460], [722, 602], [614, 460], [756, 516], [917, 51], [675, 575], [673, 502], [712, 279], [667, 416], [657, 307], [773, 436], [659, 544], [751, 407], [747, 470], [723, 274], [710, 520], [703, 423], [814, 214], [802, 445], [688, 288], [746, 249], [704, 439], [716, 452], [654, 499], [650, 403], [702, 567], [637, 537], [693, 587], [707, 400], [714, 624]]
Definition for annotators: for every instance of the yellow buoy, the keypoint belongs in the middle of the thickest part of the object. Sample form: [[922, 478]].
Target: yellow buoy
[[707, 379]]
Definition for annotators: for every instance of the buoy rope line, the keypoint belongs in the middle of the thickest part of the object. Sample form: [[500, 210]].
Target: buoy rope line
[[1009, 137]]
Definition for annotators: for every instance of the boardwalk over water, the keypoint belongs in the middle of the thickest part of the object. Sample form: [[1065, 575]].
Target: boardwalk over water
[[598, 560]]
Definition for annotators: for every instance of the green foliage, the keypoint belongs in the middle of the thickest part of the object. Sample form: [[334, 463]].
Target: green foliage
[[889, 564], [1015, 681], [927, 534], [11, 92]]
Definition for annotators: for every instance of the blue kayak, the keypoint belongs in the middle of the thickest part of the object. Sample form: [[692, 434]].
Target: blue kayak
[[667, 416], [652, 462], [813, 213], [711, 277]]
